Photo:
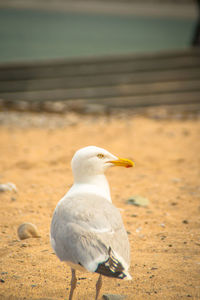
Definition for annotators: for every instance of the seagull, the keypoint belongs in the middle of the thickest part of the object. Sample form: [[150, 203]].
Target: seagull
[[87, 231]]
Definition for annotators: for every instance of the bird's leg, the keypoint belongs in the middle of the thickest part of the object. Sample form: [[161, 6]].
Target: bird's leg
[[73, 284], [98, 286]]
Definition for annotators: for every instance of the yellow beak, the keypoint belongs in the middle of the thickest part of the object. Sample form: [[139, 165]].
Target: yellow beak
[[123, 162]]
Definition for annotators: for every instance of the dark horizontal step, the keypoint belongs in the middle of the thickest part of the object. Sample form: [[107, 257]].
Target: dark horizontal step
[[122, 90], [97, 81], [186, 53], [149, 100], [184, 99], [85, 68], [118, 82]]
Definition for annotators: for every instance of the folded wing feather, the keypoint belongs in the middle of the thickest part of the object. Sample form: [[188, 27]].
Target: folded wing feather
[[88, 231]]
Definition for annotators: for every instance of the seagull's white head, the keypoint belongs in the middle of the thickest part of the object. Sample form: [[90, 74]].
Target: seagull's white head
[[92, 160]]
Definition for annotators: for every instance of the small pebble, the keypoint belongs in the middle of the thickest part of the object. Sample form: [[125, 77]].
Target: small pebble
[[176, 180], [185, 222], [138, 200], [113, 297], [8, 187], [141, 236], [16, 277], [27, 230], [138, 229], [186, 132]]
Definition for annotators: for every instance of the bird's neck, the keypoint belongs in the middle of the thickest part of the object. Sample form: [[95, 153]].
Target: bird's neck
[[97, 185]]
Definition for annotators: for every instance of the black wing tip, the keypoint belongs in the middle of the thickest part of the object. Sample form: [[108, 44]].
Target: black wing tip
[[112, 267], [104, 270]]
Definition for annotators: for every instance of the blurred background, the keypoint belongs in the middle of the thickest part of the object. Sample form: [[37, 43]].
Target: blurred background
[[35, 30], [106, 55]]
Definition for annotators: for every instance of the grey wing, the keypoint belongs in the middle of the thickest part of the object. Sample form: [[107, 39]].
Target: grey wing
[[90, 233]]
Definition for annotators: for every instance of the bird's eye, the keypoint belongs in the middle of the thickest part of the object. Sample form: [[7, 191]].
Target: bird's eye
[[100, 155]]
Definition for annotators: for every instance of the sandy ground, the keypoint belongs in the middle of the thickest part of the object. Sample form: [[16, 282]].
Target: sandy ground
[[164, 237]]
